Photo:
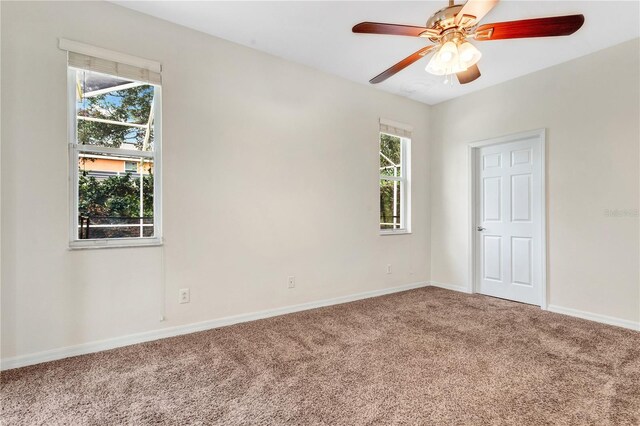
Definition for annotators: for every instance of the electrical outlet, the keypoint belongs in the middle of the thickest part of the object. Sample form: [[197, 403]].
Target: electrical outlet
[[388, 268], [184, 296], [292, 281]]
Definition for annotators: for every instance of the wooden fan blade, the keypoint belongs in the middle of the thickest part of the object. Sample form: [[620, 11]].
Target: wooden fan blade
[[471, 74], [526, 28], [475, 10], [401, 65], [392, 29]]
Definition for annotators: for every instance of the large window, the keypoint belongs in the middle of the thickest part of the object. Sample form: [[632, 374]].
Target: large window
[[115, 152], [394, 187]]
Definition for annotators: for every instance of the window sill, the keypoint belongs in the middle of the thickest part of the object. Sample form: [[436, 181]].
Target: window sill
[[398, 232], [119, 243]]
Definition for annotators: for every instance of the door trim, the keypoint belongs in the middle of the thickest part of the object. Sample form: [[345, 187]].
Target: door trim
[[473, 148]]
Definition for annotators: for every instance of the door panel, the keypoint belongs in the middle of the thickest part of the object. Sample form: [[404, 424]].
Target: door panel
[[521, 198], [522, 156], [509, 220], [492, 266], [492, 161], [521, 258], [492, 189]]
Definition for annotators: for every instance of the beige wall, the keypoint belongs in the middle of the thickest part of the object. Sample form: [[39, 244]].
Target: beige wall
[[270, 170], [590, 108]]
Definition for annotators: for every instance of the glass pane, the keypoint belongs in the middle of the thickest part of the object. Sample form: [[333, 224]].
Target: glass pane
[[391, 204], [111, 203], [390, 155], [113, 112]]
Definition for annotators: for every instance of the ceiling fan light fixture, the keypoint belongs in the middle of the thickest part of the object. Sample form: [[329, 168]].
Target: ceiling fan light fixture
[[448, 53], [446, 60], [435, 67], [468, 54]]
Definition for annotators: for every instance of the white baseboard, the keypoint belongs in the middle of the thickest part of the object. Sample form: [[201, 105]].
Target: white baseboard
[[460, 288], [633, 325], [604, 319], [131, 339]]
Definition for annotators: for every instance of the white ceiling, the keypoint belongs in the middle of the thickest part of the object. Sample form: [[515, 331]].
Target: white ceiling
[[318, 34]]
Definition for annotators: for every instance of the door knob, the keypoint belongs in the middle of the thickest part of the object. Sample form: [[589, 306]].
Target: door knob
[[480, 228]]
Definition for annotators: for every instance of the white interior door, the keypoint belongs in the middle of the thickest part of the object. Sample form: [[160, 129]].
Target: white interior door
[[508, 220]]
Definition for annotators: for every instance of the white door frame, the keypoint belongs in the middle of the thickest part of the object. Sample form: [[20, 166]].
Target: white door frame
[[473, 148]]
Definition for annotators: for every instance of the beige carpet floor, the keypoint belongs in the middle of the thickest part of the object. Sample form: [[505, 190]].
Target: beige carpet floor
[[426, 356]]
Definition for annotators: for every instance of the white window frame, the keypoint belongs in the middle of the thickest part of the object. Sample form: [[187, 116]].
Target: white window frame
[[74, 151], [405, 185]]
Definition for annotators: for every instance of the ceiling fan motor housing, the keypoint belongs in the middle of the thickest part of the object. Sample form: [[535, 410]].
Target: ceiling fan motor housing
[[443, 20]]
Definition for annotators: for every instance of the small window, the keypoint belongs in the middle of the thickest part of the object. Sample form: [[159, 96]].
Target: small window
[[115, 165], [394, 184], [131, 166]]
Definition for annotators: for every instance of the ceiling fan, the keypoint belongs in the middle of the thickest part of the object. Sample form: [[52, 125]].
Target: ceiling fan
[[450, 27]]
